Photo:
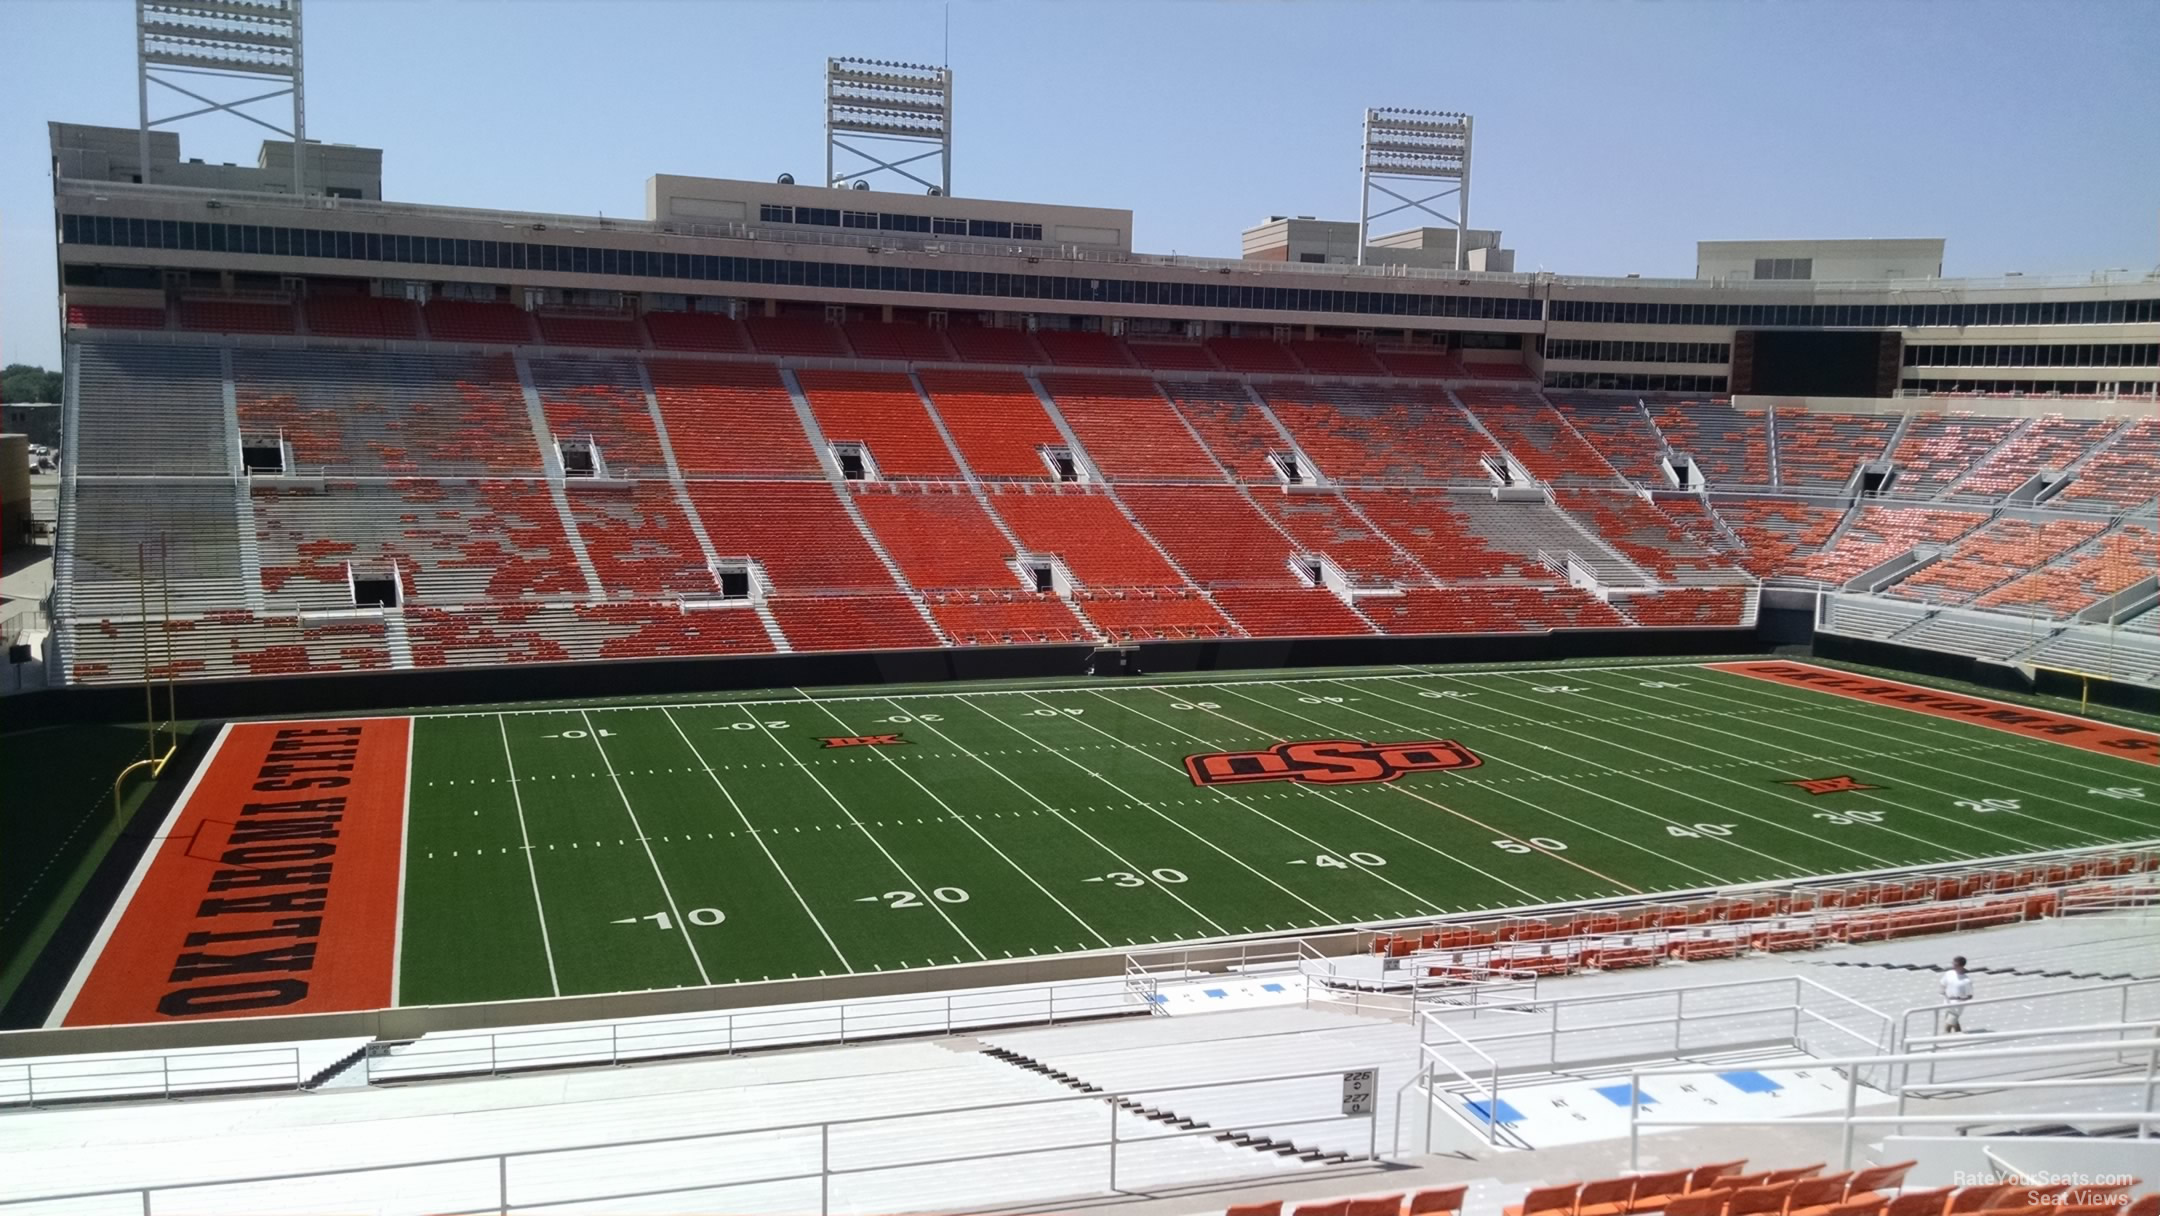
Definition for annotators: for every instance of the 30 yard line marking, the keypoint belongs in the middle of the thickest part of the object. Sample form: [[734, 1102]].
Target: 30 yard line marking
[[920, 890], [539, 909], [681, 924], [1063, 818], [758, 838], [1151, 808], [1914, 762]]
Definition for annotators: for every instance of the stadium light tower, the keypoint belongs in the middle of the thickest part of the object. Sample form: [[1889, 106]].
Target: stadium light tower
[[222, 41], [1424, 147], [889, 110]]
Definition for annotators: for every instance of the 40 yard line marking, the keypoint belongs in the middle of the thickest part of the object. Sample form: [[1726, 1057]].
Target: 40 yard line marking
[[518, 800]]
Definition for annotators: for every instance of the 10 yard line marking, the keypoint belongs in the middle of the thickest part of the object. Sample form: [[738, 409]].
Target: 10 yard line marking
[[539, 909], [759, 838], [874, 841], [680, 923]]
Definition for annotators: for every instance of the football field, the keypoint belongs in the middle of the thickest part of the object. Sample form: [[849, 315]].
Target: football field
[[480, 856]]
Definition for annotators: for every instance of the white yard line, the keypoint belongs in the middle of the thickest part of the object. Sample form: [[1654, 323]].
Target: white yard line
[[683, 926], [921, 891], [397, 937], [539, 909], [1062, 817], [759, 837]]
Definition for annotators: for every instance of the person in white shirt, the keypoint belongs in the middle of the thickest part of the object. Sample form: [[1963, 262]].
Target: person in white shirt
[[1957, 988]]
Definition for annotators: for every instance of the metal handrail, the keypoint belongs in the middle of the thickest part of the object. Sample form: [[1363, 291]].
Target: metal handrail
[[1905, 1020], [825, 1172], [173, 1069]]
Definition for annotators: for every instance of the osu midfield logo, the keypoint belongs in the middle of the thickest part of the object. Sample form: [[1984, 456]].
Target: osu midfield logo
[[1329, 762]]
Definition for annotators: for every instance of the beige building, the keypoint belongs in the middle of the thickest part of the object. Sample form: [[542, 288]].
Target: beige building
[[1301, 238], [1844, 261]]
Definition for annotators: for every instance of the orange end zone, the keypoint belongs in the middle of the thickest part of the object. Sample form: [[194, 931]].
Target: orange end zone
[[2067, 729], [273, 890]]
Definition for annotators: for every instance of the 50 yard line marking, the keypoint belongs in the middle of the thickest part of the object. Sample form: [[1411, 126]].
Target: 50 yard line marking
[[517, 799], [592, 733], [759, 838]]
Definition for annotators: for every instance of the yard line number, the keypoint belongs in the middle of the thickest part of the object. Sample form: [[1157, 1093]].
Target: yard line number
[[1848, 818], [705, 917], [1531, 844]]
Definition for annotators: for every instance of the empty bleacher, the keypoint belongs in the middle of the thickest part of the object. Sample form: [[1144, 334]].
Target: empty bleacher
[[147, 410], [939, 536], [1083, 528], [1173, 356], [1326, 523], [1420, 362], [1261, 355], [2121, 474], [2067, 586], [1730, 447], [996, 421], [225, 645], [183, 536], [112, 316], [451, 541], [1128, 427], [993, 618], [1620, 430], [731, 420], [1776, 534], [1138, 614], [1881, 533], [851, 622], [699, 331], [492, 634], [1489, 608], [225, 316], [1646, 536], [2128, 653], [1382, 434], [1079, 348], [488, 321], [1820, 451], [361, 412], [1993, 554], [1237, 431], [590, 329], [639, 540], [806, 337], [1465, 535], [1289, 612], [798, 530], [356, 316], [1987, 637], [1536, 435], [1937, 449], [2051, 442], [985, 344], [1686, 606], [601, 400], [1215, 535], [900, 341], [883, 412], [1337, 358]]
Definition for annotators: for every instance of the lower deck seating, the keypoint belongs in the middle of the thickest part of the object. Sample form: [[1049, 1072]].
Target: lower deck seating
[[797, 530], [183, 536], [224, 645], [2061, 590], [1237, 431], [1456, 536], [1005, 618], [883, 412], [601, 400], [1214, 534], [851, 622], [145, 410], [1536, 434], [939, 536], [640, 541], [1084, 529], [493, 634], [1128, 427], [2122, 473], [1273, 612], [360, 412], [1686, 606], [1140, 614], [996, 421], [731, 419], [1647, 536], [1992, 555], [1325, 523], [1489, 608]]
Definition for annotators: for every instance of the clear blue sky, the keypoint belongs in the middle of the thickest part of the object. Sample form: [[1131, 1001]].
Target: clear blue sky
[[1611, 135]]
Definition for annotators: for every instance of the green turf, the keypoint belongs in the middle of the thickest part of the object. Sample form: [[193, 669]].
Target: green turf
[[722, 841]]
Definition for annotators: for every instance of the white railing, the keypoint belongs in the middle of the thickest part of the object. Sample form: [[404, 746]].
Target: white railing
[[1853, 1067], [147, 1075], [1909, 1032], [495, 1174]]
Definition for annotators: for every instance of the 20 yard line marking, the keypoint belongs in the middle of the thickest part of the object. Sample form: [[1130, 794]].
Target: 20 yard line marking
[[759, 838], [539, 909], [1062, 818], [874, 841], [681, 924]]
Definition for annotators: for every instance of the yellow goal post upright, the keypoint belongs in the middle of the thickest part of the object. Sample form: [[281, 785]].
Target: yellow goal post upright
[[158, 756]]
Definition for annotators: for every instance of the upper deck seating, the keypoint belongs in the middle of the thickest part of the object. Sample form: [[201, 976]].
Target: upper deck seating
[[1536, 435], [1148, 613], [1620, 430], [495, 634], [2051, 442], [362, 317], [978, 618], [1731, 448], [1173, 356], [1128, 427], [901, 341], [1881, 533], [491, 322], [1993, 555], [1489, 608], [107, 316], [731, 420], [984, 344], [588, 329], [705, 331], [182, 536], [1289, 612], [1494, 369], [996, 421], [1778, 533], [852, 622], [883, 412], [2117, 560], [1078, 348], [143, 410], [640, 541], [451, 541], [1646, 535], [1083, 527], [224, 645], [798, 530], [1823, 451], [808, 337], [1215, 535], [363, 412], [938, 535], [1337, 358], [1686, 606], [1235, 430], [2126, 473], [601, 400], [1325, 523], [1937, 449], [1458, 536], [1361, 434], [1423, 362], [221, 316], [1255, 355]]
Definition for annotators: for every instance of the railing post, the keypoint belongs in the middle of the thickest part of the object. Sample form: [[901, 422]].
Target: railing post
[[165, 1074], [824, 1168], [1492, 1108], [1112, 1104], [502, 1182], [146, 1201], [2152, 1076], [614, 1045], [492, 1068], [843, 1023], [1852, 1104], [1634, 1127]]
